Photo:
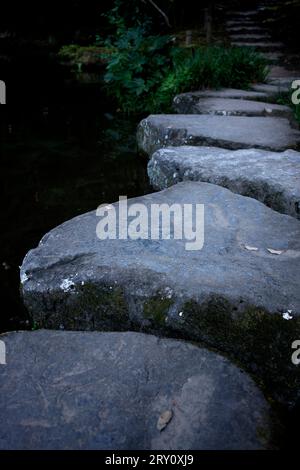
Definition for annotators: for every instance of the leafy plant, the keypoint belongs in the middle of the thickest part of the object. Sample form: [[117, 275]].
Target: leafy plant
[[136, 65]]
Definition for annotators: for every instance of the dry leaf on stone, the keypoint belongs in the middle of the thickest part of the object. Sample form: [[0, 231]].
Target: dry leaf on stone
[[251, 248], [164, 419], [274, 252]]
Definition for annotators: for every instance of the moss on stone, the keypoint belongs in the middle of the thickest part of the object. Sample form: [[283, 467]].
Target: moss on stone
[[260, 341], [156, 309]]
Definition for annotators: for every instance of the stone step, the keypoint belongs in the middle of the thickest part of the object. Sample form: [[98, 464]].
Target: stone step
[[249, 37], [270, 177], [120, 390], [225, 294], [242, 13], [185, 101], [239, 16], [247, 29], [233, 107], [231, 132], [281, 76], [273, 91], [272, 57], [259, 45], [241, 23]]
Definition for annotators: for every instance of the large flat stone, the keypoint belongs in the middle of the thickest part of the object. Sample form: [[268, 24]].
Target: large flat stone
[[223, 294], [74, 390], [186, 99], [231, 132], [272, 178], [232, 107]]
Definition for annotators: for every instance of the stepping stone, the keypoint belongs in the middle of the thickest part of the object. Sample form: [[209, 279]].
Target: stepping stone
[[243, 13], [231, 132], [278, 72], [261, 46], [249, 37], [273, 57], [183, 102], [234, 107], [247, 29], [283, 82], [108, 390], [231, 297], [272, 178], [271, 90], [241, 23]]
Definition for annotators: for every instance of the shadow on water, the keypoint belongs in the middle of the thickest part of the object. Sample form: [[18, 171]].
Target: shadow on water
[[63, 152]]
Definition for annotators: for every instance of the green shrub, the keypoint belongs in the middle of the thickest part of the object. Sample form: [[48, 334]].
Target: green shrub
[[144, 72], [136, 65]]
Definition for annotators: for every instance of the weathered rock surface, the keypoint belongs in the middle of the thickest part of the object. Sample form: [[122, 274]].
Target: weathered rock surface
[[231, 132], [224, 294], [232, 107], [76, 390], [186, 99], [272, 178]]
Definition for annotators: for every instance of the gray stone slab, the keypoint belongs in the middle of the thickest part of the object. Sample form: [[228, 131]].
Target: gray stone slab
[[241, 22], [281, 77], [242, 14], [260, 45], [272, 57], [249, 37], [75, 390], [232, 132], [224, 294], [232, 107], [270, 177], [246, 29], [184, 101], [271, 89]]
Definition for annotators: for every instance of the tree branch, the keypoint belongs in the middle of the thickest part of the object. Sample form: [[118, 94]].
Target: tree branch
[[161, 12]]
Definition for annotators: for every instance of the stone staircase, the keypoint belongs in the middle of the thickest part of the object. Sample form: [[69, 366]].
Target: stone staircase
[[113, 387]]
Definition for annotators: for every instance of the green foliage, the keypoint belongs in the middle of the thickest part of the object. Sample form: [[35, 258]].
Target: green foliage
[[136, 65], [144, 72], [210, 67], [76, 54]]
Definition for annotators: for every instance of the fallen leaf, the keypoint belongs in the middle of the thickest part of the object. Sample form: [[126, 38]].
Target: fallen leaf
[[251, 248], [164, 419], [275, 252]]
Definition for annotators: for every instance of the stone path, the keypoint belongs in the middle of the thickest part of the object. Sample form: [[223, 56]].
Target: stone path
[[238, 107], [109, 391], [221, 294], [231, 132], [272, 178], [238, 292]]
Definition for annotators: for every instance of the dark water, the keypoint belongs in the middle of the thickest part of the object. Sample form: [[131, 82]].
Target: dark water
[[63, 152]]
